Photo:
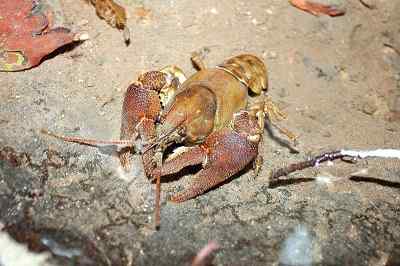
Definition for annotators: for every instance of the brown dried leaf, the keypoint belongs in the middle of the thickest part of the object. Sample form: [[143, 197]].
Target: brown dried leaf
[[27, 34], [317, 9], [142, 13], [113, 14]]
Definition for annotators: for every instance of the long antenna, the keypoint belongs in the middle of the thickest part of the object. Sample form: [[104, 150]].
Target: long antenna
[[157, 215], [156, 141], [90, 142]]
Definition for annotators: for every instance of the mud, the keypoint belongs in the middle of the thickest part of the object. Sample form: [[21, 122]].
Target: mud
[[338, 79]]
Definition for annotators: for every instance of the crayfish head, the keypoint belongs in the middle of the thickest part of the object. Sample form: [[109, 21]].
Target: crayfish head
[[190, 117]]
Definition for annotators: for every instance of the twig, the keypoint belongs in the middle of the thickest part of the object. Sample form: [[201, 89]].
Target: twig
[[367, 5], [331, 156], [204, 253], [394, 48], [157, 218]]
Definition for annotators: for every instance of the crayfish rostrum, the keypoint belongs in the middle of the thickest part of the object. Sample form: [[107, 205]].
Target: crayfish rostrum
[[210, 113]]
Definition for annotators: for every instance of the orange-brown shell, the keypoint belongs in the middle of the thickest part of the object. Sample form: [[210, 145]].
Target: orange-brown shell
[[230, 95], [248, 69], [207, 101]]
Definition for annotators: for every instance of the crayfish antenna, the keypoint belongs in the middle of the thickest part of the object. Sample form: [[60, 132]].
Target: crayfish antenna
[[90, 142], [150, 146], [162, 140], [157, 219], [155, 142]]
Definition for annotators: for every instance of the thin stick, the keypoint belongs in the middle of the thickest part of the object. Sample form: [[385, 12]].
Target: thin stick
[[157, 177], [334, 155], [157, 215], [291, 168], [205, 253], [91, 142]]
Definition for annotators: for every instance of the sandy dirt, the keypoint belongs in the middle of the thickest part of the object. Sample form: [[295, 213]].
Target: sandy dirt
[[338, 79]]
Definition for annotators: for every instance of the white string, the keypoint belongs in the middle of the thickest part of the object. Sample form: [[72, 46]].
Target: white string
[[382, 153]]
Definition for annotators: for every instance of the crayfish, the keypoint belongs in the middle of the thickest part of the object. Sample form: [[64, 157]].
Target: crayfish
[[210, 113]]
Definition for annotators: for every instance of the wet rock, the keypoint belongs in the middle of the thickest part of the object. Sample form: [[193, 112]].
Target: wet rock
[[349, 221]]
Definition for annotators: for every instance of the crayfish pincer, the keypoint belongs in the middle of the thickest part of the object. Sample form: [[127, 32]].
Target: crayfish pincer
[[210, 113]]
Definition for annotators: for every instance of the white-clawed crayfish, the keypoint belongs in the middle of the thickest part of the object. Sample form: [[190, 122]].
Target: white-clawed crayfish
[[210, 113]]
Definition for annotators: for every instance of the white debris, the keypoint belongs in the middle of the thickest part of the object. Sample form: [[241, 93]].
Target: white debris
[[324, 179], [59, 249], [178, 151], [15, 254], [214, 11], [297, 248], [362, 172], [382, 153], [136, 169], [79, 37]]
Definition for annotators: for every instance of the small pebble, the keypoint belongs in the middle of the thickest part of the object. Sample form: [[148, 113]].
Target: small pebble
[[214, 11], [81, 37], [82, 22], [370, 105], [396, 104]]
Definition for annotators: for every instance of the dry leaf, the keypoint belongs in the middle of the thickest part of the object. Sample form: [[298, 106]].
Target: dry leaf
[[317, 9], [142, 13], [113, 14], [27, 34]]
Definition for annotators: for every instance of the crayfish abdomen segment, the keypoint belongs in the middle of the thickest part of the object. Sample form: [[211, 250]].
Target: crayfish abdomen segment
[[249, 70]]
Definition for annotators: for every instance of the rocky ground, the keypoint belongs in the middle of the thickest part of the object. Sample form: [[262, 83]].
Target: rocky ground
[[338, 79]]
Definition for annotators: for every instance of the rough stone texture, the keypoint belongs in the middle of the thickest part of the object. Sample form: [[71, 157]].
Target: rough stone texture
[[321, 71]]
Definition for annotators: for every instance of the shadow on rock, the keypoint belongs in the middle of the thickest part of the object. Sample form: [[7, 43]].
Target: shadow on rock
[[288, 182], [374, 180]]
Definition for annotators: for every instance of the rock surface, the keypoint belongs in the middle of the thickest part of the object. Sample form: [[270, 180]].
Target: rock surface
[[75, 202]]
